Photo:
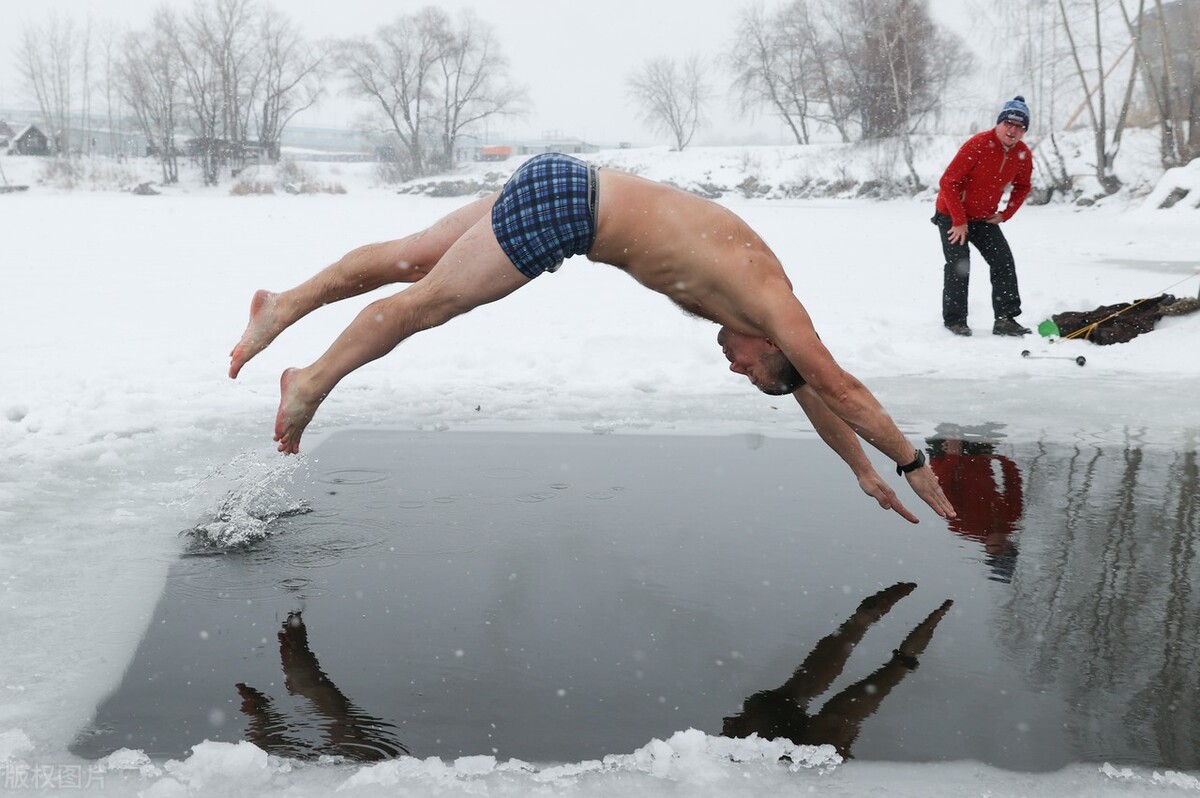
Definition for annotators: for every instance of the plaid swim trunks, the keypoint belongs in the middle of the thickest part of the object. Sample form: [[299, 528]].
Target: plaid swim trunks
[[546, 212]]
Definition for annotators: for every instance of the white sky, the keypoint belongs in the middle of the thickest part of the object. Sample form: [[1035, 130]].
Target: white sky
[[572, 56]]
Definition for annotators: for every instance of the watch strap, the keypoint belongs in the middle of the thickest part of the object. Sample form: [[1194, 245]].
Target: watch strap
[[917, 461]]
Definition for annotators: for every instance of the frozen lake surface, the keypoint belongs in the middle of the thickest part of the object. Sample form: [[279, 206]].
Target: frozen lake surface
[[557, 597]]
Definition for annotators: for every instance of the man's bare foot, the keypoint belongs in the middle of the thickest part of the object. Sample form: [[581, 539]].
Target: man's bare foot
[[296, 409], [261, 330]]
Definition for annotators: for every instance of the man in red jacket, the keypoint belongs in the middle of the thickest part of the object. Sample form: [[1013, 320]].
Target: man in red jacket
[[967, 211]]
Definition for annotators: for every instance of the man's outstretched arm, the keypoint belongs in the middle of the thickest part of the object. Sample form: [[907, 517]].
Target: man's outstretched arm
[[790, 328], [860, 413], [838, 435]]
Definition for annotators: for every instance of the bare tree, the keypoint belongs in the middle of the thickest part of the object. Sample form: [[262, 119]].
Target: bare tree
[[820, 68], [1191, 25], [226, 30], [395, 70], [671, 96], [877, 68], [290, 78], [85, 141], [473, 83], [1171, 50], [430, 81], [150, 76], [771, 59], [1095, 91], [200, 69], [1144, 60], [115, 116], [46, 56], [218, 53], [885, 49]]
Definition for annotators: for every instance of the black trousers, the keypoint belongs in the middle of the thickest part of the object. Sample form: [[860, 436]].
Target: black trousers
[[993, 246]]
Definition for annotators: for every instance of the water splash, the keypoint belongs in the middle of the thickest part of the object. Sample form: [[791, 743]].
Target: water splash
[[256, 494]]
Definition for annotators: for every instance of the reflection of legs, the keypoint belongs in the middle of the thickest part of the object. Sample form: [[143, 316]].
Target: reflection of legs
[[918, 639], [783, 712], [361, 270], [839, 721], [828, 657], [301, 670], [473, 272], [266, 726], [351, 732]]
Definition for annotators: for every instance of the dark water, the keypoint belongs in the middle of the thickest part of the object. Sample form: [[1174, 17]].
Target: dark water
[[563, 597]]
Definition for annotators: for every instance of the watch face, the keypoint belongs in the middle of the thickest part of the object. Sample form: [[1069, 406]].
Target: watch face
[[917, 462]]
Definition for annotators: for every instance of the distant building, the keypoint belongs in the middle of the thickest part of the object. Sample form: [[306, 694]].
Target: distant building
[[1181, 22], [567, 145], [472, 148], [493, 152], [29, 141], [6, 135]]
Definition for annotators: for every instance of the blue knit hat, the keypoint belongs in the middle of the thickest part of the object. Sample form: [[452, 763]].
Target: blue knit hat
[[1015, 110]]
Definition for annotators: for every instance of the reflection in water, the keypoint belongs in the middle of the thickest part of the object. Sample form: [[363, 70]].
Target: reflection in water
[[783, 712], [588, 627], [1110, 619], [346, 730], [989, 504]]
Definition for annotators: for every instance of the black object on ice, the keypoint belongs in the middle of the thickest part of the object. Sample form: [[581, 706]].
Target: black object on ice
[[1114, 324], [1078, 360]]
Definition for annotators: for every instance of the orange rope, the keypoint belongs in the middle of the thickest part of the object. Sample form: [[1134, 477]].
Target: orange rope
[[1087, 330]]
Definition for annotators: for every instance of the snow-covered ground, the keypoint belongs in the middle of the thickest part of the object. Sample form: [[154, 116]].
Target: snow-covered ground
[[118, 426]]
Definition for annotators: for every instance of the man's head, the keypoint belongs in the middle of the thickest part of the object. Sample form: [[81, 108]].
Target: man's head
[[760, 361], [1013, 121]]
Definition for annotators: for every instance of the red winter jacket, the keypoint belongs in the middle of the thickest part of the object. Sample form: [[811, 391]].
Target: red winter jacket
[[984, 508], [974, 182]]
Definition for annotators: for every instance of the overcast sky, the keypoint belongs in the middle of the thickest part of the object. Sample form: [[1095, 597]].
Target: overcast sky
[[573, 56]]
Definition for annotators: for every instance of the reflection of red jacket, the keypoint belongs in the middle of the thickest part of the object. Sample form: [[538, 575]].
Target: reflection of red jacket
[[970, 485], [974, 182]]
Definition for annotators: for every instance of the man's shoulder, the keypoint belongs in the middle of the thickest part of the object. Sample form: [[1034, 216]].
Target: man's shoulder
[[979, 143], [984, 139]]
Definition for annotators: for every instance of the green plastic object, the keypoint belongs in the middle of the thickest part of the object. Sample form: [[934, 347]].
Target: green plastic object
[[1048, 329]]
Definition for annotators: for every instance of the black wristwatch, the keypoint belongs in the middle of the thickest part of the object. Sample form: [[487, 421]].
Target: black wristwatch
[[916, 463]]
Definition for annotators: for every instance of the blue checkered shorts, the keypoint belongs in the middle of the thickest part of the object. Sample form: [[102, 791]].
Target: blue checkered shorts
[[546, 212]]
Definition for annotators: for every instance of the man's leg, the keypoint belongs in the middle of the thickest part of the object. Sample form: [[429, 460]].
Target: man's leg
[[364, 269], [474, 271], [993, 246], [956, 276]]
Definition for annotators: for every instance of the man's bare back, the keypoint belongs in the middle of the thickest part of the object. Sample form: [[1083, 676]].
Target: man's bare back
[[711, 263], [697, 253]]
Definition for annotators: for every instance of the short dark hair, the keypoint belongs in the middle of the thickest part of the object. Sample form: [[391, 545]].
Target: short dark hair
[[784, 376]]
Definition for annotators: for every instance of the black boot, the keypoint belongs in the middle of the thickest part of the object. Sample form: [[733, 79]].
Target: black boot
[[1007, 326], [960, 328]]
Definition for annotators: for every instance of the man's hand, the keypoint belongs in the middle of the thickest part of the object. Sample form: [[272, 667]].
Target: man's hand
[[874, 486], [995, 218], [958, 234], [924, 482]]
